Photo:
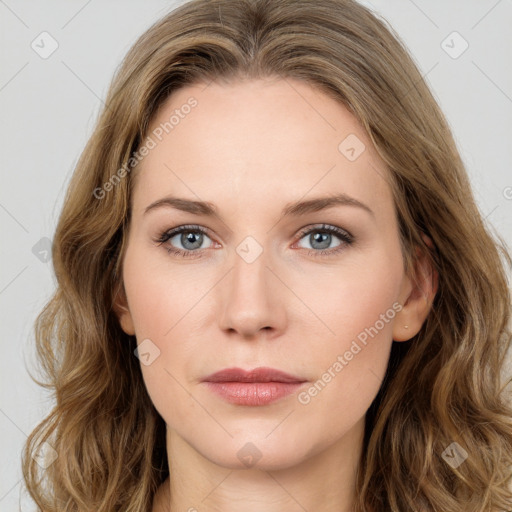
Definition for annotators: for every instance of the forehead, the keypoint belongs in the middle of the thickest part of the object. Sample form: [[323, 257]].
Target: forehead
[[257, 139]]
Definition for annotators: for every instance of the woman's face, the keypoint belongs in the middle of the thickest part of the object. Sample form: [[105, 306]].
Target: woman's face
[[299, 269]]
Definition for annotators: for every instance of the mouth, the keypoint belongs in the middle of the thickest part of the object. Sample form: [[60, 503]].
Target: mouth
[[260, 386]]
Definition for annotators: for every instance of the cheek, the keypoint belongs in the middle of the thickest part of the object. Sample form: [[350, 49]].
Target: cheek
[[351, 360], [162, 308], [352, 298], [159, 296]]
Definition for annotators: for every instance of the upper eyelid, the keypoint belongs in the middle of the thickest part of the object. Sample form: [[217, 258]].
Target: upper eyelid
[[324, 227], [309, 227]]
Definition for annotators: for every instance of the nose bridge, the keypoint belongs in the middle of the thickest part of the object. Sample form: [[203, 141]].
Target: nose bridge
[[250, 296]]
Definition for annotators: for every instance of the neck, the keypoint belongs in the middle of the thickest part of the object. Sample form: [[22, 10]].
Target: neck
[[324, 482]]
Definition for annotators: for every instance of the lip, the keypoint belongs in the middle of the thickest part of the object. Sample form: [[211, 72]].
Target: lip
[[260, 374], [260, 386]]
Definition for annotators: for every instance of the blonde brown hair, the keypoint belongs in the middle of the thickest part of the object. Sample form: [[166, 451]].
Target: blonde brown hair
[[442, 387]]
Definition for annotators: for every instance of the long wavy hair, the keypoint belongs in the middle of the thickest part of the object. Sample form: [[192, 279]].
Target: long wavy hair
[[441, 387]]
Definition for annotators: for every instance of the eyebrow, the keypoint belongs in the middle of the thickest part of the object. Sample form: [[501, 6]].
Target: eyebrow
[[291, 209]]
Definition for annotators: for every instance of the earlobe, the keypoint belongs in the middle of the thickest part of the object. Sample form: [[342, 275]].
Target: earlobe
[[419, 294], [122, 311]]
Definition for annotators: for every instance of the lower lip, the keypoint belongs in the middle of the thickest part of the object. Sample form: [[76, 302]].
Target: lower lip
[[253, 393]]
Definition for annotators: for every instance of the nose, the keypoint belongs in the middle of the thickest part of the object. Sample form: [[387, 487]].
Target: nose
[[252, 300]]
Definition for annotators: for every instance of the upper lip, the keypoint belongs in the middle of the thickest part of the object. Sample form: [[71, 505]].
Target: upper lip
[[260, 374]]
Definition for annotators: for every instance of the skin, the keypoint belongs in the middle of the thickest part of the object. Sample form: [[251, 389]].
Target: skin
[[251, 147]]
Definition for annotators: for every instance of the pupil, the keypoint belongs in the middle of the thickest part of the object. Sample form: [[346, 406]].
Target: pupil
[[319, 237], [189, 238]]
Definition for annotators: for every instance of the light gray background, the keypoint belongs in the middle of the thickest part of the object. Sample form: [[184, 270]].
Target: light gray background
[[48, 109]]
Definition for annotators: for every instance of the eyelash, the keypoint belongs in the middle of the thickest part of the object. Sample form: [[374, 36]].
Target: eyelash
[[343, 235]]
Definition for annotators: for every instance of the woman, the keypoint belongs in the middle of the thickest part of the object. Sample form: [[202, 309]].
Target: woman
[[275, 290]]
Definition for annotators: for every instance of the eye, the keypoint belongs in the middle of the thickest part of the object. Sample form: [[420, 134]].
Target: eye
[[321, 237], [190, 238]]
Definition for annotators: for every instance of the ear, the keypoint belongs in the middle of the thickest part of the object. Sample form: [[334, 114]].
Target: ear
[[122, 311], [416, 296]]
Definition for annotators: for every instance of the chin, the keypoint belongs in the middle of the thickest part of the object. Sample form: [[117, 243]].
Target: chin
[[252, 452]]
